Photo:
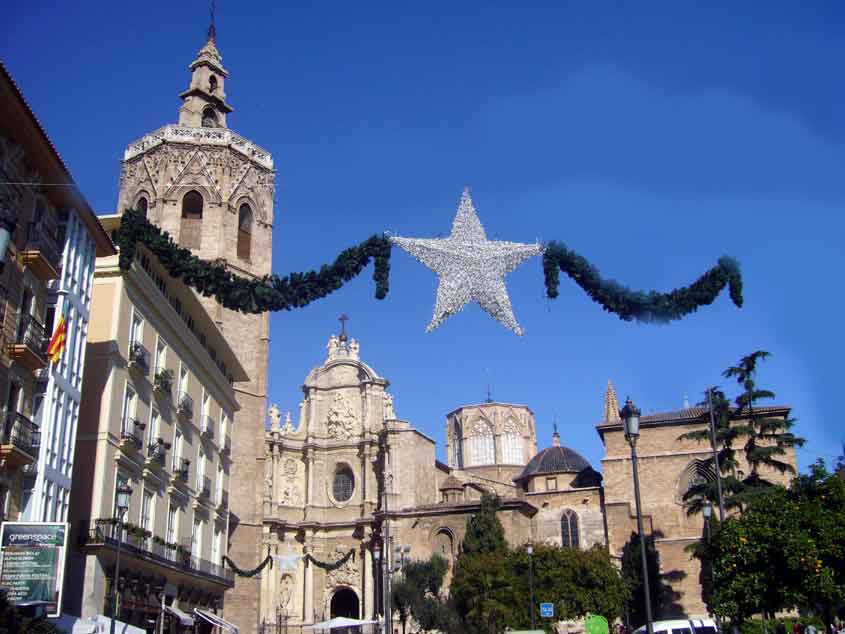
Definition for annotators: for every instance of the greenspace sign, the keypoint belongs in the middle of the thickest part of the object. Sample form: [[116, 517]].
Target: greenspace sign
[[33, 562]]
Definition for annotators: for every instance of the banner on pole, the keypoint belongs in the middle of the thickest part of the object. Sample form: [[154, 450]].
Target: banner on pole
[[33, 563]]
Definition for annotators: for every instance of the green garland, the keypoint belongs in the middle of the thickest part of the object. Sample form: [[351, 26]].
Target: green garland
[[630, 305], [329, 566], [249, 573], [246, 294]]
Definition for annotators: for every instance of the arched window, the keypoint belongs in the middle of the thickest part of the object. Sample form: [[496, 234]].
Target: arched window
[[191, 227], [443, 544], [244, 231], [142, 205], [482, 447], [209, 118], [212, 83], [696, 473], [569, 529], [512, 443], [457, 446]]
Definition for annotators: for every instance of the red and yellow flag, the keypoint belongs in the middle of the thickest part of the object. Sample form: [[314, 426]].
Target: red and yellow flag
[[57, 343]]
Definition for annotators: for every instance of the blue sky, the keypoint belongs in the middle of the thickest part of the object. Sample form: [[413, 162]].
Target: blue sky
[[650, 137]]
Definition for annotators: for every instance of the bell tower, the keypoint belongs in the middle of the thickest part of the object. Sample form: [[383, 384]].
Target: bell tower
[[213, 191]]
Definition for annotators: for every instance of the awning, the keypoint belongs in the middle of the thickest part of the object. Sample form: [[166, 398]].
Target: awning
[[94, 625], [217, 620], [337, 623], [184, 619]]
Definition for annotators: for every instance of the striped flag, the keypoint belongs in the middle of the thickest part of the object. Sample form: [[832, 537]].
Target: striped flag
[[57, 343]]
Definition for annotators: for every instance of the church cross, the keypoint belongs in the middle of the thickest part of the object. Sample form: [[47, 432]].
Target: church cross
[[343, 319]]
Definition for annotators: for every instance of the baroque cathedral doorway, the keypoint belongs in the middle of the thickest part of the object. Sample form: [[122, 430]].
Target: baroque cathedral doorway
[[344, 603]]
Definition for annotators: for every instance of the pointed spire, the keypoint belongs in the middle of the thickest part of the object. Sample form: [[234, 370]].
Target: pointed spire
[[555, 437], [611, 405], [212, 28], [205, 99]]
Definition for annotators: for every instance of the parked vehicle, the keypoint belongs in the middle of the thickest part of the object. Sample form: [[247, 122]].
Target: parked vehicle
[[681, 626]]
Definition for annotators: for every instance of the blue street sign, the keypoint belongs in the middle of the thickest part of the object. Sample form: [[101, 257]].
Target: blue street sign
[[547, 610]]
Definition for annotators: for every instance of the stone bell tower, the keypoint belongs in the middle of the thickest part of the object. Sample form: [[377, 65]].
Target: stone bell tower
[[213, 191]]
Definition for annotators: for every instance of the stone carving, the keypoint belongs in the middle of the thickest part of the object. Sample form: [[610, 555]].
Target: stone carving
[[354, 348], [288, 426], [275, 416], [511, 427], [347, 574], [285, 590], [389, 412], [268, 478], [342, 422], [291, 493], [332, 346]]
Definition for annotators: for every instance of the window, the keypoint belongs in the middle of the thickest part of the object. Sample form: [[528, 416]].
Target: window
[[209, 118], [482, 445], [457, 447], [161, 355], [200, 468], [183, 380], [177, 450], [196, 539], [142, 205], [146, 514], [551, 484], [212, 83], [191, 226], [129, 401], [152, 428], [224, 427], [244, 231], [512, 444], [172, 527], [215, 547], [344, 483], [136, 329], [219, 482], [569, 529]]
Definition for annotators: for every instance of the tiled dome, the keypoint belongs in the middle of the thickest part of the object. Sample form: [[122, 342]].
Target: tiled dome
[[554, 460]]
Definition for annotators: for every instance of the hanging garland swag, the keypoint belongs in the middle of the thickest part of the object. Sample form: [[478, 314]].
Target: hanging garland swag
[[651, 307], [330, 566], [296, 290], [248, 295], [249, 573]]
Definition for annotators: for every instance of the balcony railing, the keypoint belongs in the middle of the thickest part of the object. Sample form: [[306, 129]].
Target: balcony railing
[[185, 406], [105, 532], [204, 487], [164, 381], [30, 335], [39, 238], [226, 446], [132, 432], [157, 452], [139, 357], [207, 430], [22, 433], [180, 470], [222, 500]]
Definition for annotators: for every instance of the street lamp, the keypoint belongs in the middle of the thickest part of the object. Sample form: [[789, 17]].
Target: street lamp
[[707, 512], [530, 550], [124, 495], [630, 416]]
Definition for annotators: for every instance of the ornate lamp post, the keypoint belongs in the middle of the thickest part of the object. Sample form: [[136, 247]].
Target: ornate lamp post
[[124, 495], [707, 512], [630, 415], [530, 550]]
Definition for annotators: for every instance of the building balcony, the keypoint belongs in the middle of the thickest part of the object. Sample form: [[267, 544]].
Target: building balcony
[[139, 358], [157, 453], [185, 406], [180, 471], [226, 446], [41, 253], [163, 382], [105, 533], [132, 435], [30, 346], [20, 441], [223, 501], [207, 430]]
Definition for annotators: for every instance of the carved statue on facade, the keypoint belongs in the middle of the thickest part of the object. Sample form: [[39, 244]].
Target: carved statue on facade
[[275, 416], [287, 428], [389, 412], [347, 574], [342, 421], [290, 494], [332, 346]]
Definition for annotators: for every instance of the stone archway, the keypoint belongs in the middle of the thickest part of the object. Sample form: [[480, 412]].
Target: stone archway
[[345, 603]]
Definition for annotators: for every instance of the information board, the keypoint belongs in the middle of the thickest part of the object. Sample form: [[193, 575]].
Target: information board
[[547, 610], [33, 562]]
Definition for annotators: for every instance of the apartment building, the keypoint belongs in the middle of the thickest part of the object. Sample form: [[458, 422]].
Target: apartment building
[[49, 238], [157, 407]]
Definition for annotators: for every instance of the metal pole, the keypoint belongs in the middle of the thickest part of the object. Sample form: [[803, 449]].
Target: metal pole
[[633, 442], [161, 624], [715, 455], [117, 564], [531, 584]]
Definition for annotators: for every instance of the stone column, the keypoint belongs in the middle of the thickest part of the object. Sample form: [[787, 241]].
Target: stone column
[[309, 586], [266, 590], [368, 595]]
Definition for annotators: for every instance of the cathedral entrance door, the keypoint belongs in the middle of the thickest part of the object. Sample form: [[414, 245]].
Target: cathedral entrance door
[[344, 603]]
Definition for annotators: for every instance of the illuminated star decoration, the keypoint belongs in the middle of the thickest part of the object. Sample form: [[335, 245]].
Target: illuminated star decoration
[[470, 267]]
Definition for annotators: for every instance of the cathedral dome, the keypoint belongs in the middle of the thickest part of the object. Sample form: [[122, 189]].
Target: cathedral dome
[[554, 459]]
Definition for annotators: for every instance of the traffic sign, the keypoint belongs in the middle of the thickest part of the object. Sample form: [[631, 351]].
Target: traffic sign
[[547, 610]]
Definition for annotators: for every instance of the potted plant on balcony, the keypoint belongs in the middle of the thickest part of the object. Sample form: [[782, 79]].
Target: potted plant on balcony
[[138, 357], [164, 381]]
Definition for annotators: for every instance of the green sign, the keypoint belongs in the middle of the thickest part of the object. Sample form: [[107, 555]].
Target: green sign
[[596, 624], [33, 562]]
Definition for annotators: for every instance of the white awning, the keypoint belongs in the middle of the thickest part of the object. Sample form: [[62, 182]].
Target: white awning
[[94, 625], [184, 619], [217, 621], [337, 623]]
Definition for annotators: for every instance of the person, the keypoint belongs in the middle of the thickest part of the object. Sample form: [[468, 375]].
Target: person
[[810, 629], [781, 628]]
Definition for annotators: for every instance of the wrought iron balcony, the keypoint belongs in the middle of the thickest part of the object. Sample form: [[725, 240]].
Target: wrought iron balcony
[[134, 542], [157, 452], [204, 487], [226, 446], [163, 381], [223, 500], [21, 439], [132, 433], [207, 430], [139, 357], [185, 406], [30, 346], [41, 252], [181, 469]]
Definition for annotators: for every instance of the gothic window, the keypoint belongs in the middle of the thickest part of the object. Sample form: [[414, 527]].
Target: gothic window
[[512, 444], [209, 118], [569, 529], [212, 83], [244, 231], [344, 483], [457, 446], [482, 445], [141, 205], [697, 472], [191, 227]]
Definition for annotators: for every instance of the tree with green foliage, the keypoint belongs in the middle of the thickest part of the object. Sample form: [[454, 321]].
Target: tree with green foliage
[[632, 574], [762, 439], [484, 533], [417, 592]]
